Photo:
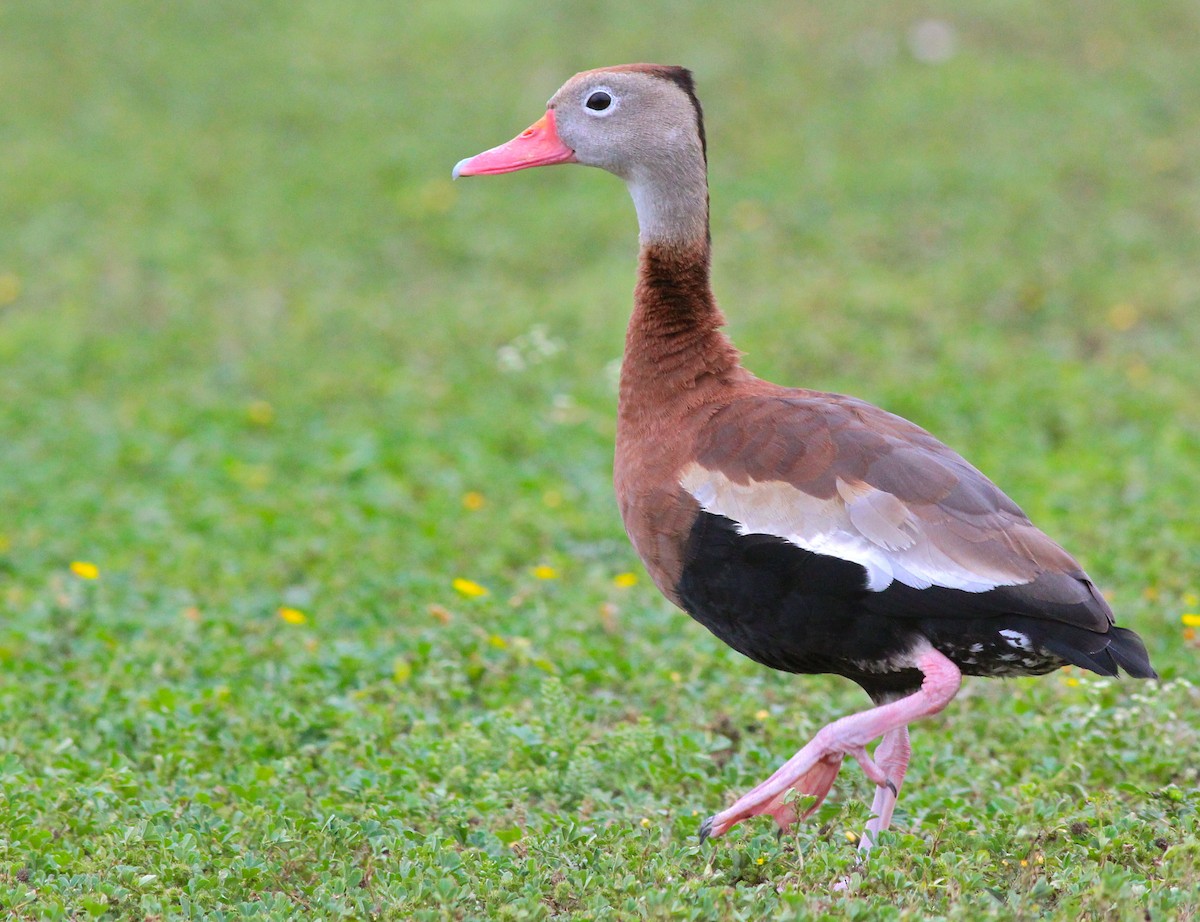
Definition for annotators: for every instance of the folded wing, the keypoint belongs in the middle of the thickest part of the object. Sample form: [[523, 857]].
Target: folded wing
[[839, 477]]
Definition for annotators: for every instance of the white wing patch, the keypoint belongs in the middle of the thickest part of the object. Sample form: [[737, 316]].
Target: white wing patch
[[862, 524]]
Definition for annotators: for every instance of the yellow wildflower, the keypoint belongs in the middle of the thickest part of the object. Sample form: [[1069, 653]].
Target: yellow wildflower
[[85, 570], [625, 580], [251, 476], [1122, 317], [293, 615], [469, 588], [473, 501], [1138, 373], [760, 860], [645, 821], [1190, 619], [260, 413], [1190, 599], [762, 715], [544, 572]]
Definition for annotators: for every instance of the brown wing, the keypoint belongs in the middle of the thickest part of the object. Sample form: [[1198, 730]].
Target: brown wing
[[838, 476]]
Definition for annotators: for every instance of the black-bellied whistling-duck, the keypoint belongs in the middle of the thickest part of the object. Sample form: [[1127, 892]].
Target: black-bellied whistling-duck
[[812, 532]]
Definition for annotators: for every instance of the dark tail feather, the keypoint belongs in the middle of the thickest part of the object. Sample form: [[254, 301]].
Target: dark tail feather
[[1103, 653], [1130, 653], [1098, 661]]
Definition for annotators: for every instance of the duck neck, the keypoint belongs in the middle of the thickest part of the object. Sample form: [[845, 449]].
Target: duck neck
[[675, 352], [671, 198]]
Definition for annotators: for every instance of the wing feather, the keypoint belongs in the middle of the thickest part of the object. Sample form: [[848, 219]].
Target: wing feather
[[837, 476]]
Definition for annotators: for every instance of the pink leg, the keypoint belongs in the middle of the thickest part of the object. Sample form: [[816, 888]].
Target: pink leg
[[812, 770], [892, 756]]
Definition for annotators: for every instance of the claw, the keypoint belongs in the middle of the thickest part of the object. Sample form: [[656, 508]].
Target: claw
[[892, 787], [706, 829]]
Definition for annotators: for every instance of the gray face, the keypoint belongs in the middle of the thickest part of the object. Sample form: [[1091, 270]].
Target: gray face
[[629, 123]]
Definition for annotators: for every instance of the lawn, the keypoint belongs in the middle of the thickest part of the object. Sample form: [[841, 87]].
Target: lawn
[[314, 600]]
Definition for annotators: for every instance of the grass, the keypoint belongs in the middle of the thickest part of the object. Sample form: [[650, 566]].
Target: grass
[[281, 384]]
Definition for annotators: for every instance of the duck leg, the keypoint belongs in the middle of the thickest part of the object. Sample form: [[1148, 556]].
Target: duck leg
[[891, 755], [812, 770]]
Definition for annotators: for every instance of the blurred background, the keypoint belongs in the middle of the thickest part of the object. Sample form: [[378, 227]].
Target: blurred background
[[263, 367], [256, 346], [236, 280]]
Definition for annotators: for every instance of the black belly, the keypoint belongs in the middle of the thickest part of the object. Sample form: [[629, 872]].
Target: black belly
[[799, 611]]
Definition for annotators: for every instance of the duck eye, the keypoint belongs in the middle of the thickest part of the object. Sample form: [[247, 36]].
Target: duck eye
[[599, 101]]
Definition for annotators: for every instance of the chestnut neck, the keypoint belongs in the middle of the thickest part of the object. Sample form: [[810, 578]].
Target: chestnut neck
[[675, 352]]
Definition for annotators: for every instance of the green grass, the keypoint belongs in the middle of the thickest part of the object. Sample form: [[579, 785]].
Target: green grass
[[249, 343]]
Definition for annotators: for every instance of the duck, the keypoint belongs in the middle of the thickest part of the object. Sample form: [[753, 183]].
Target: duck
[[812, 532]]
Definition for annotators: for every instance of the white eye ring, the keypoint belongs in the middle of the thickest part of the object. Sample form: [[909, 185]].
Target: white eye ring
[[600, 101]]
